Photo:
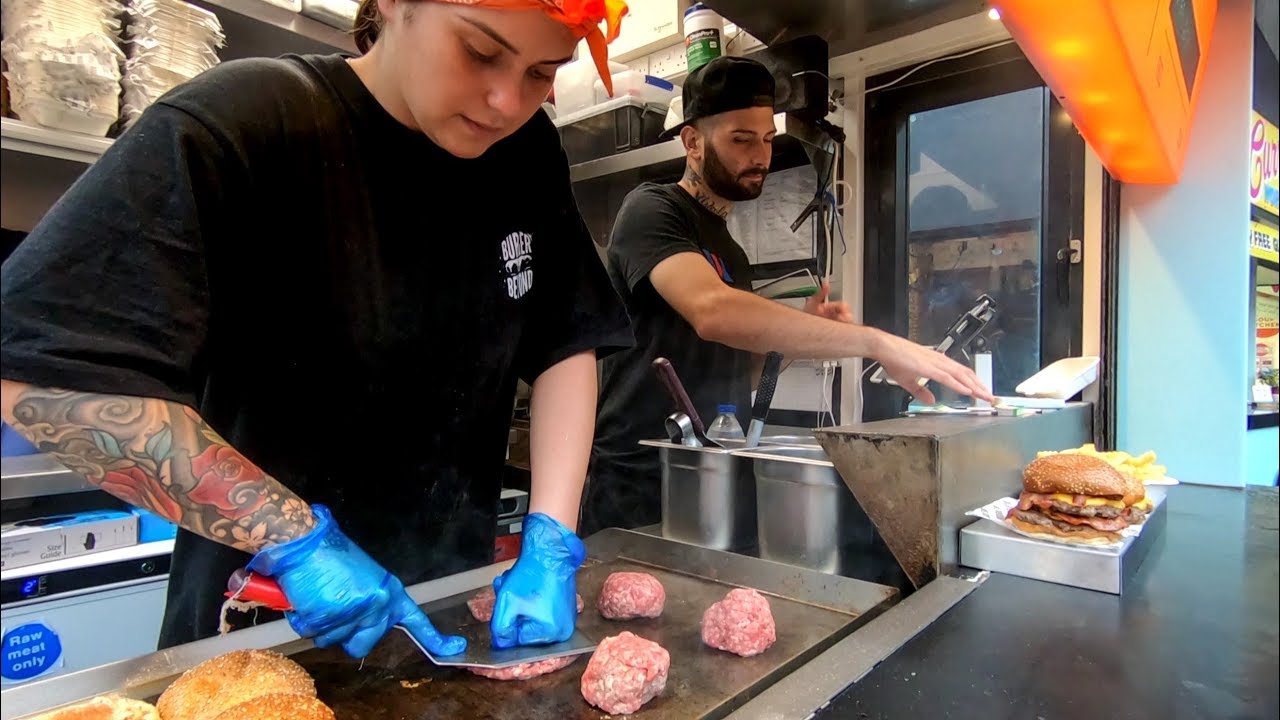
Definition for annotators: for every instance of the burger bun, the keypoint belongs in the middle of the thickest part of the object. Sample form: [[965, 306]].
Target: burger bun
[[1075, 475]]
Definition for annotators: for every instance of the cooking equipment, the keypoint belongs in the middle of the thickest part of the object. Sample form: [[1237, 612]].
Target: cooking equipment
[[53, 612], [764, 397], [917, 477], [667, 373], [813, 611], [250, 587], [805, 514], [680, 430], [708, 496], [703, 683]]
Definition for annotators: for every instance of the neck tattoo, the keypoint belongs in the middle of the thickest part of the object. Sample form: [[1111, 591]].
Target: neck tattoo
[[692, 182]]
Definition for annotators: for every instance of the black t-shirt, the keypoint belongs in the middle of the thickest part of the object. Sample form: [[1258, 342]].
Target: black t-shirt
[[345, 302], [656, 222]]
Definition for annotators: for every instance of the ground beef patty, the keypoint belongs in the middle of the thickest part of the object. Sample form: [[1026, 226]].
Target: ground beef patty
[[1102, 511], [525, 671], [741, 623], [625, 672], [627, 595], [481, 604], [1099, 523]]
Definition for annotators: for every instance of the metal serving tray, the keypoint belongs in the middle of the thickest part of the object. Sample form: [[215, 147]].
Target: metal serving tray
[[989, 546]]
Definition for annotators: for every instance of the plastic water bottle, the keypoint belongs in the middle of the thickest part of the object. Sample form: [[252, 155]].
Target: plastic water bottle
[[726, 426]]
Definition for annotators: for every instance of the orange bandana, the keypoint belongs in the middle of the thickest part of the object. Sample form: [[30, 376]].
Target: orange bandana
[[582, 17]]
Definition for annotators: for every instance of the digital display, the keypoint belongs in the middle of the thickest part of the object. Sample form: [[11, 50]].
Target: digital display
[[30, 587]]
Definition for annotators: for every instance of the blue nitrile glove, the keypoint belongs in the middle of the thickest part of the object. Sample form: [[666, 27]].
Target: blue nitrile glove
[[340, 595], [537, 599]]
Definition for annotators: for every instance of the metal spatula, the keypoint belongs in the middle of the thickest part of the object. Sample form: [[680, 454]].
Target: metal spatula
[[253, 588]]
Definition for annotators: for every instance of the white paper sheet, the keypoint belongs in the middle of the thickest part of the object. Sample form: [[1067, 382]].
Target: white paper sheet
[[803, 386], [763, 226]]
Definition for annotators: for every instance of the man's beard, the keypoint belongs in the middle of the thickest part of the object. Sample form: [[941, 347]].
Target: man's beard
[[722, 182]]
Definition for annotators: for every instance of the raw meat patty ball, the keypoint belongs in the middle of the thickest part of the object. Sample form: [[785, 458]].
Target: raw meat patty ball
[[741, 623], [627, 595], [625, 672]]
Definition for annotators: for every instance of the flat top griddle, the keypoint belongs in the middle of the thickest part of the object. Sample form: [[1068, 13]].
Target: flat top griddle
[[811, 610]]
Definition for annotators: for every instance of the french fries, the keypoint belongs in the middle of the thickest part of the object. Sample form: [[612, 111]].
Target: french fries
[[1143, 467]]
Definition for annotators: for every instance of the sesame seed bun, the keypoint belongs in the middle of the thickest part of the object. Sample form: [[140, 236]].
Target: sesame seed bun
[[105, 707], [279, 706], [207, 690], [1135, 491], [1075, 475]]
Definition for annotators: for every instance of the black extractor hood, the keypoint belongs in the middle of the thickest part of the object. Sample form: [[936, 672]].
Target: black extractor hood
[[846, 25]]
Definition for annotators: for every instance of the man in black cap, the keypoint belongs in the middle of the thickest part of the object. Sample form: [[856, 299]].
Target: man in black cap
[[687, 285]]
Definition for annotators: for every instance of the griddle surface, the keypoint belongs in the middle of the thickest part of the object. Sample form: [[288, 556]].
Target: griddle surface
[[703, 683]]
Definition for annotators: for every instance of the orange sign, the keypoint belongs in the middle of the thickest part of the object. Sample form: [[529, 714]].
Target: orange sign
[[1128, 73]]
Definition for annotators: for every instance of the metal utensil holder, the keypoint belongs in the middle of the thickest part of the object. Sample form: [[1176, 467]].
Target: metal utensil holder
[[708, 496]]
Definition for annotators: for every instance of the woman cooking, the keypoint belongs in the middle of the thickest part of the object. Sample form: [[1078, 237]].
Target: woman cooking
[[299, 294]]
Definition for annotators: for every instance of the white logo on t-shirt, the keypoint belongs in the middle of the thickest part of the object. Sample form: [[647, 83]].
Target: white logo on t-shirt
[[517, 264]]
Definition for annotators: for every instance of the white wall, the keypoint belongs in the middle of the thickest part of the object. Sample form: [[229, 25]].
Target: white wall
[[1184, 336]]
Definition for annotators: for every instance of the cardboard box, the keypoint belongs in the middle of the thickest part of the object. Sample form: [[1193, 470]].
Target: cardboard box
[[40, 540]]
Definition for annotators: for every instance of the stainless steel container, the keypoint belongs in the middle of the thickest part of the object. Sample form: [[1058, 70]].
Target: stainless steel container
[[806, 515], [917, 477], [708, 496]]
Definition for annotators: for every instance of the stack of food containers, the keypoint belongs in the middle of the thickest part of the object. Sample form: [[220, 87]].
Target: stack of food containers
[[169, 42], [63, 62]]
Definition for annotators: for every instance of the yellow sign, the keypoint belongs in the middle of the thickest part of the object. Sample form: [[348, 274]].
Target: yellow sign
[[1264, 165], [1264, 242]]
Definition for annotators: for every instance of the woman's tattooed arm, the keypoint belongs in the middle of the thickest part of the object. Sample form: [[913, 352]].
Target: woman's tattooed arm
[[160, 456]]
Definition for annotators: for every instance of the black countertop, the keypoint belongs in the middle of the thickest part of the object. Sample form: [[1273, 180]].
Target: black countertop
[[1264, 417], [1194, 636]]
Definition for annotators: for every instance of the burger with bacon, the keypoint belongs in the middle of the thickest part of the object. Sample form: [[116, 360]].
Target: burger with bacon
[[1079, 499]]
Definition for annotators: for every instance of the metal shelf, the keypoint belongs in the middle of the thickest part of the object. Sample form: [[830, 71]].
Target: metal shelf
[[80, 562], [789, 133], [29, 476], [20, 137], [283, 19], [631, 160]]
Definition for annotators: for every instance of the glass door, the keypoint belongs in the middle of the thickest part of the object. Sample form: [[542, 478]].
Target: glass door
[[974, 184]]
